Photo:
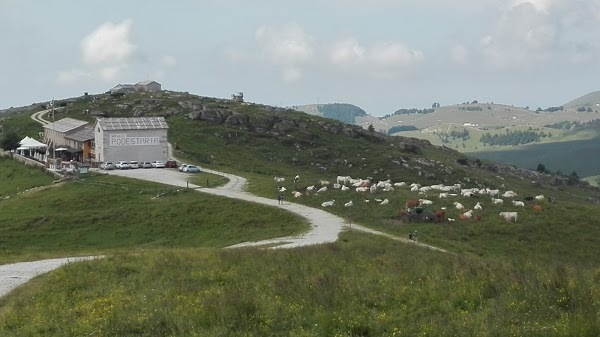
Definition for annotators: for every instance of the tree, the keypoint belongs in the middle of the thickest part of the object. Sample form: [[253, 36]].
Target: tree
[[10, 141], [474, 101], [541, 168], [371, 128]]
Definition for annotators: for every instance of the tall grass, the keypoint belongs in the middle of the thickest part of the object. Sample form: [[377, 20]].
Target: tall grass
[[360, 286]]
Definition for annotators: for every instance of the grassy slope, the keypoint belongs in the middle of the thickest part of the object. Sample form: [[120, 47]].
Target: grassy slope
[[528, 278], [360, 286], [104, 213], [587, 100], [564, 156]]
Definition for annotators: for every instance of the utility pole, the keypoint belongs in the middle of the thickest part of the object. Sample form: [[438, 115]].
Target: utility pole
[[53, 141]]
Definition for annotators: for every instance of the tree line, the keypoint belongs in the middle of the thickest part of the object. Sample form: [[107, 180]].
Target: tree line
[[409, 112], [575, 125], [513, 138], [401, 128]]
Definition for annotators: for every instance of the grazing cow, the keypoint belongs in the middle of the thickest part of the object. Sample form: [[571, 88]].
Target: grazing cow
[[497, 201], [328, 203], [478, 207], [458, 205], [425, 202], [385, 202], [440, 216], [539, 197], [466, 215], [412, 203], [509, 216], [537, 208], [518, 203]]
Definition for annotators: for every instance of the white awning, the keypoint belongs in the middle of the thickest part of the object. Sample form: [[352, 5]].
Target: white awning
[[30, 143]]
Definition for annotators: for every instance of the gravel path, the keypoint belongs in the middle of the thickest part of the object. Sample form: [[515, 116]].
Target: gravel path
[[325, 227], [15, 274]]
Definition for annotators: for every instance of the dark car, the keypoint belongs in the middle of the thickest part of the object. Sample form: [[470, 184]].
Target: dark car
[[171, 163]]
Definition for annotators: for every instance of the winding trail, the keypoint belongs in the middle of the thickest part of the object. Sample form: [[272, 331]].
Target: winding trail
[[39, 117], [325, 227]]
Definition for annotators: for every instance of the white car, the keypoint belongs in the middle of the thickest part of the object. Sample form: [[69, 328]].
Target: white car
[[182, 167], [122, 165], [134, 164], [107, 166], [158, 164], [191, 169]]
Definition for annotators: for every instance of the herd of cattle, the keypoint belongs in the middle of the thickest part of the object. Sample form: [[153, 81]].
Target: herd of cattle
[[415, 210]]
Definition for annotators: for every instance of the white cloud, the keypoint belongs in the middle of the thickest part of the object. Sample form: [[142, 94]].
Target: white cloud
[[347, 53], [383, 59], [528, 33], [110, 44], [105, 53], [289, 47]]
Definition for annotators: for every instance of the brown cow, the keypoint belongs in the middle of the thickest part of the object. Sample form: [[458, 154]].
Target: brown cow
[[537, 208], [412, 203], [440, 216]]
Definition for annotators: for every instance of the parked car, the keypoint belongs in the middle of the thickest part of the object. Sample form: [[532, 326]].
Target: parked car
[[171, 163], [107, 166], [191, 169], [122, 165], [158, 164], [134, 164], [182, 167], [146, 164]]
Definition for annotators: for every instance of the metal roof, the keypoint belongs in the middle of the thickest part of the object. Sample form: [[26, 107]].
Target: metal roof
[[146, 82], [135, 123], [65, 125], [85, 133]]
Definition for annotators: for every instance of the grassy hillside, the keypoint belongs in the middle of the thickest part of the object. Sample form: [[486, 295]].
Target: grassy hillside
[[360, 286], [101, 214], [564, 156], [588, 100], [535, 277], [342, 112]]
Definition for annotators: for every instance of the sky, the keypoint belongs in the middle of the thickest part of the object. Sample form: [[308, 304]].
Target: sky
[[381, 55]]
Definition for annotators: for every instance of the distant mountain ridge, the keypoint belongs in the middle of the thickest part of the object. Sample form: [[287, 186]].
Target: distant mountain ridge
[[342, 112], [588, 100]]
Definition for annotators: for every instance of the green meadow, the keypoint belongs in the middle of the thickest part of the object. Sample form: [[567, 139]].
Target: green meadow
[[165, 272]]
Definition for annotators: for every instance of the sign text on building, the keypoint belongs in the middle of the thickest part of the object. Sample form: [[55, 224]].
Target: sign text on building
[[123, 140]]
